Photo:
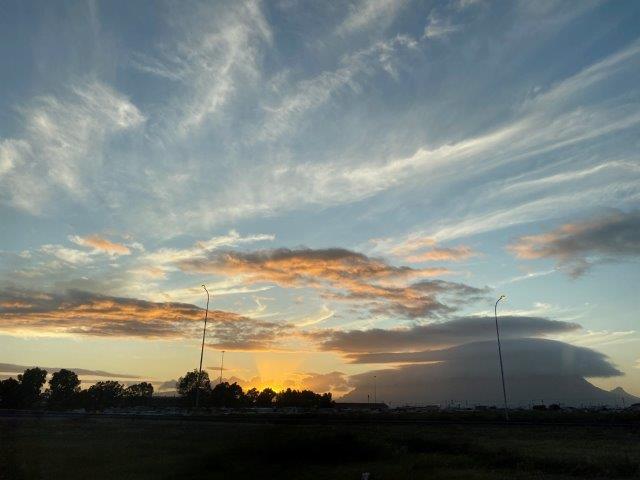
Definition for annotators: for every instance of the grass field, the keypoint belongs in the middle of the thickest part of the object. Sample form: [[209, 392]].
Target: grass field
[[57, 448]]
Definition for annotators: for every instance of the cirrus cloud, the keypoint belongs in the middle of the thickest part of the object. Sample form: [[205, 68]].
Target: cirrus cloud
[[100, 244], [61, 144]]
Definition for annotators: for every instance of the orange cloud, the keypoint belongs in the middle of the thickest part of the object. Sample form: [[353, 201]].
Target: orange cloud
[[101, 244], [453, 254], [340, 274], [83, 313], [412, 245], [413, 250]]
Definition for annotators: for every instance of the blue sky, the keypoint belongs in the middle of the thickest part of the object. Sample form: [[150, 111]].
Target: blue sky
[[148, 147]]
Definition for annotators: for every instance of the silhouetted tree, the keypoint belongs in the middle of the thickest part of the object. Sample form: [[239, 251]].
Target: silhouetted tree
[[227, 395], [10, 393], [187, 386], [103, 395], [31, 382], [64, 387], [265, 398], [251, 396], [302, 398], [138, 393], [326, 400]]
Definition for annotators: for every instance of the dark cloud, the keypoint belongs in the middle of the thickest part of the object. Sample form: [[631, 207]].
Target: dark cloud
[[84, 313], [525, 355], [435, 335], [342, 274], [13, 368], [535, 370], [576, 246]]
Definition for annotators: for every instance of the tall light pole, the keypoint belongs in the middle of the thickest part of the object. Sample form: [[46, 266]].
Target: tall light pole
[[221, 366], [204, 333], [504, 390]]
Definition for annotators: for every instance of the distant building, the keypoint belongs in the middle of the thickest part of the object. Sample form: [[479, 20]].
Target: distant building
[[360, 406]]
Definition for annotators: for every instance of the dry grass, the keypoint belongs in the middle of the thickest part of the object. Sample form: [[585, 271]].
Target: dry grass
[[107, 448]]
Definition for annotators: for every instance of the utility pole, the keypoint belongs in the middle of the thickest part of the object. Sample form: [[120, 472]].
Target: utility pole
[[204, 333], [504, 390], [221, 366]]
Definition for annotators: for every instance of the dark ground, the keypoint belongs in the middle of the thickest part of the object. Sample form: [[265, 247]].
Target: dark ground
[[114, 448]]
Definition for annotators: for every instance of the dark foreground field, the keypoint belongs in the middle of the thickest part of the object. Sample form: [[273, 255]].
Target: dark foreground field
[[95, 448]]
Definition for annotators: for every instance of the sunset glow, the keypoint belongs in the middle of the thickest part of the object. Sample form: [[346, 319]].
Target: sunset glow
[[356, 183]]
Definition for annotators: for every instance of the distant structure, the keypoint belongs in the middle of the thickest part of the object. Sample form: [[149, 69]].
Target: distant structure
[[352, 406]]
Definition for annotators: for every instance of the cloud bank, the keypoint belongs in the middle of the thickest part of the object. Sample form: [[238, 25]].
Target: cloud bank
[[358, 343], [83, 313], [535, 370]]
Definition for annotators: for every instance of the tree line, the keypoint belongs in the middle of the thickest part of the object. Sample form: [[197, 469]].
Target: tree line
[[232, 395], [63, 393]]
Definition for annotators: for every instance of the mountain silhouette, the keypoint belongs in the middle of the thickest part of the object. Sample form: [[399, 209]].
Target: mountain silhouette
[[536, 371]]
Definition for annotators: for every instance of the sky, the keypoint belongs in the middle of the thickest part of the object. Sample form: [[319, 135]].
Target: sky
[[355, 182]]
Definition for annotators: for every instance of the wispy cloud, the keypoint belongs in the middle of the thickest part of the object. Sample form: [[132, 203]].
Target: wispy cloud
[[166, 257], [218, 50], [423, 249], [324, 314], [310, 94], [100, 244], [68, 255], [369, 13], [439, 27], [61, 144]]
